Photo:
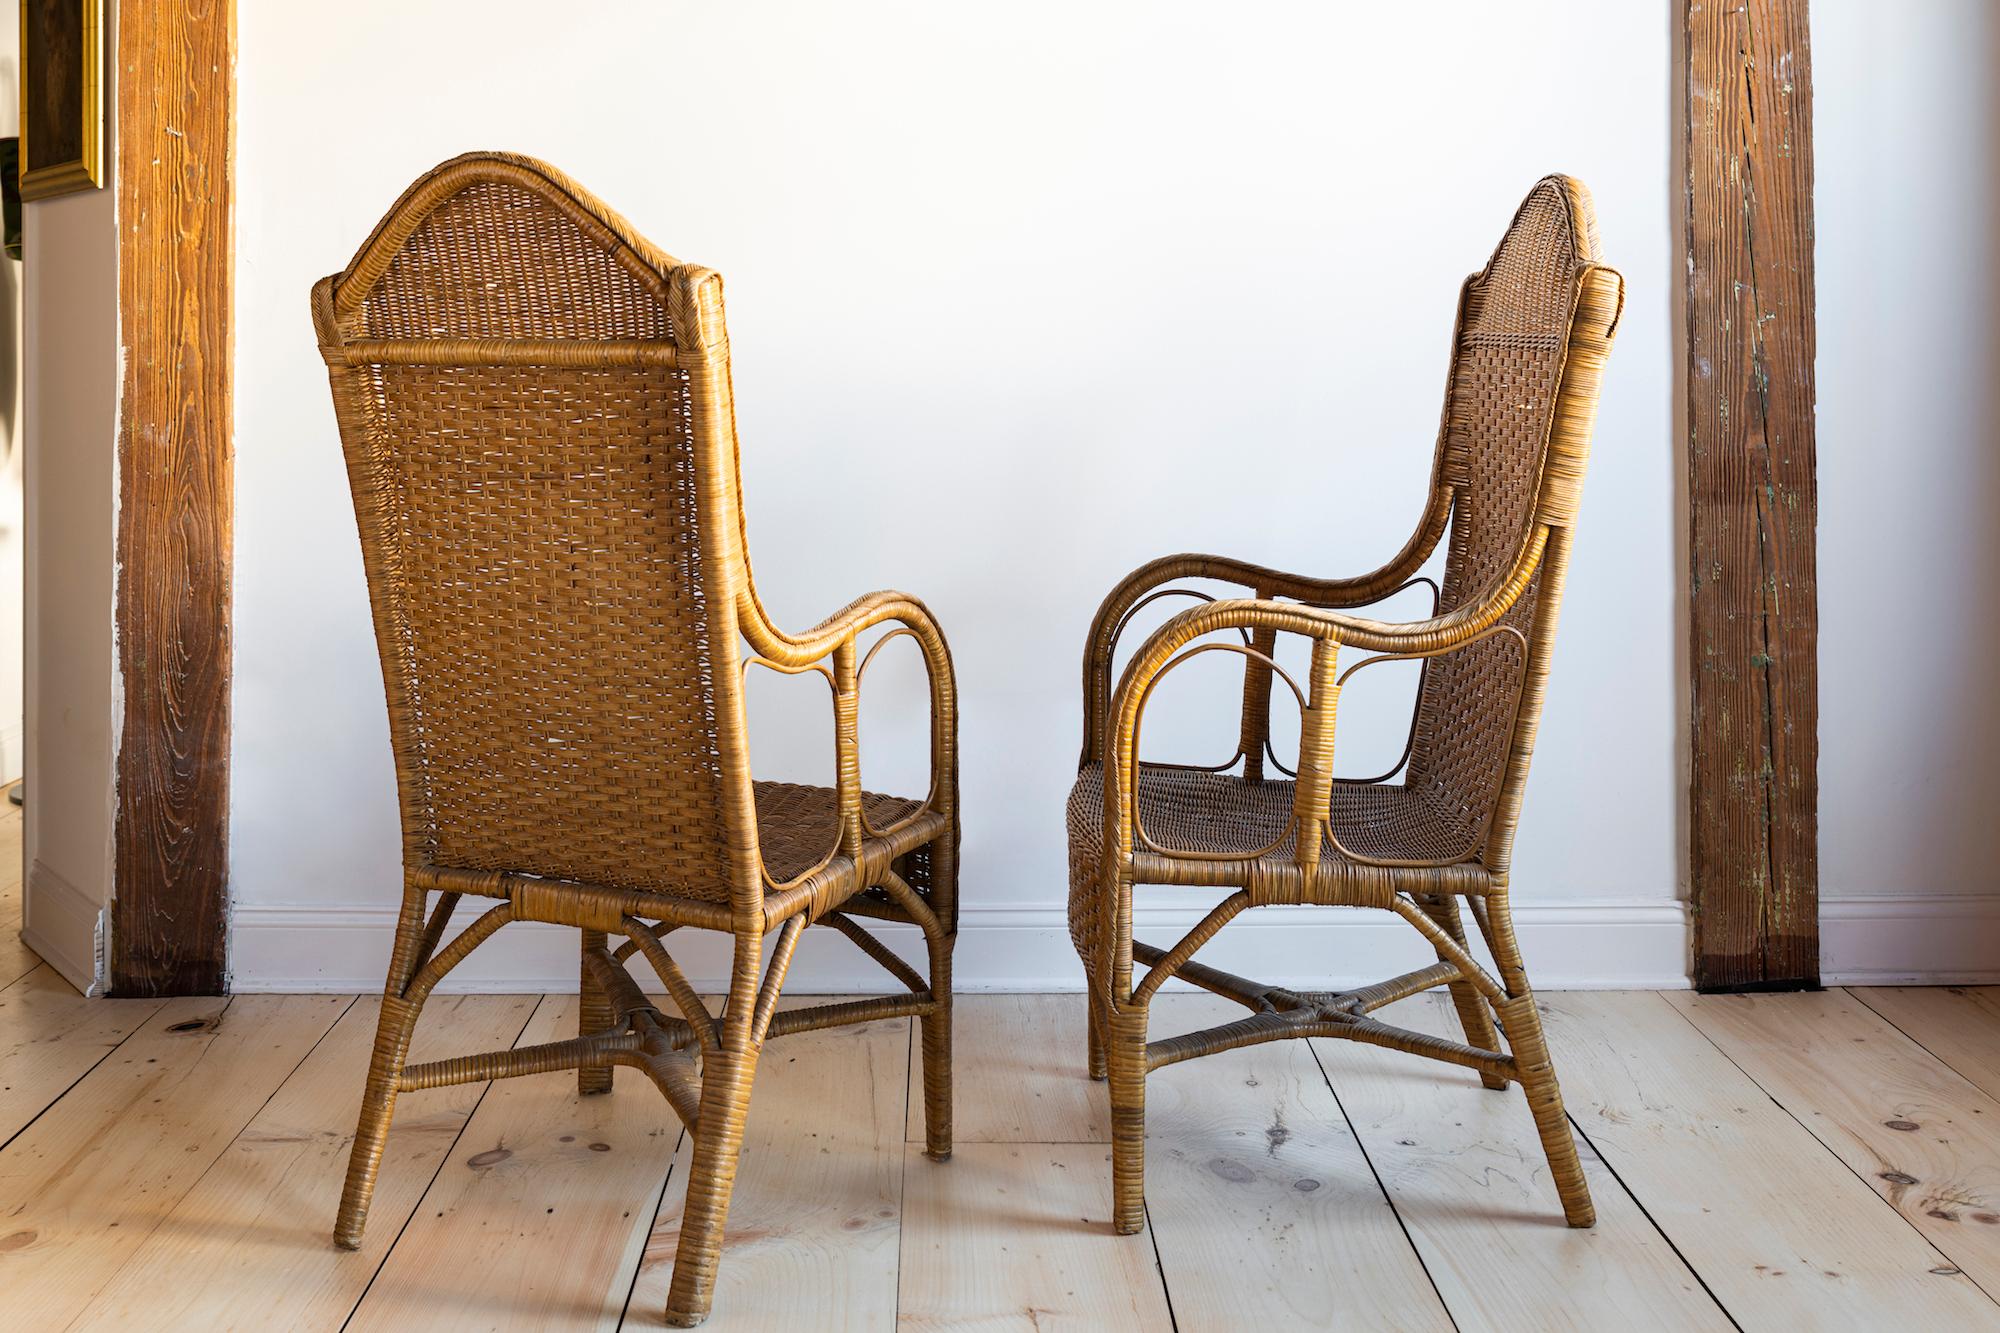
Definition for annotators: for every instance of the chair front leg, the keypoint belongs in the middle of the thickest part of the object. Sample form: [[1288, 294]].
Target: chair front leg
[[1522, 1025], [1125, 1056], [937, 1053]]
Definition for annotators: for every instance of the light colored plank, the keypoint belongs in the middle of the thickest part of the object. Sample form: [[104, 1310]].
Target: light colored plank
[[1009, 1236], [17, 960], [538, 1218], [1921, 1136], [1960, 1025], [1782, 1233], [1262, 1203], [84, 1186], [280, 1182], [1466, 1171], [1020, 1074], [50, 1037], [814, 1220]]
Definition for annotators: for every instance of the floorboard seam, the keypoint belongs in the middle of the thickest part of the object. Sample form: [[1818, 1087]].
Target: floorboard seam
[[70, 1087], [1828, 1150], [1326, 1076], [443, 1160], [1857, 993]]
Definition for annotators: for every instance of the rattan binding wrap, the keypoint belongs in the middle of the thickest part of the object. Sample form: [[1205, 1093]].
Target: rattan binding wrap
[[1534, 329], [536, 412]]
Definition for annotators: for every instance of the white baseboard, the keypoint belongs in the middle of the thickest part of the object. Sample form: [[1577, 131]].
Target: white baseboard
[[1913, 939], [1569, 946], [65, 926]]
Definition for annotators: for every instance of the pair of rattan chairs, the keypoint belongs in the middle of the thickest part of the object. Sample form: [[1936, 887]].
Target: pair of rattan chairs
[[535, 409]]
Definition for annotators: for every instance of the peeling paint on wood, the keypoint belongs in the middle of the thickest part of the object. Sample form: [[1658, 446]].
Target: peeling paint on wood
[[1753, 855]]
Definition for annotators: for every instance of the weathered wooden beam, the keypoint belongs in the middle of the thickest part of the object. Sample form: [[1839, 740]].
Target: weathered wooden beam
[[1753, 854], [176, 75]]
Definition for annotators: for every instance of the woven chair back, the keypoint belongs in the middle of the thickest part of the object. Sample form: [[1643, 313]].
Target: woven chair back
[[1507, 364], [554, 607]]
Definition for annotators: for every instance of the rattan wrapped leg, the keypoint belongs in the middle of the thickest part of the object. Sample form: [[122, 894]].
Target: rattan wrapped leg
[[936, 1027], [1473, 1015], [378, 1106], [1538, 1080], [1093, 1027], [594, 1015], [726, 1076], [1126, 1057]]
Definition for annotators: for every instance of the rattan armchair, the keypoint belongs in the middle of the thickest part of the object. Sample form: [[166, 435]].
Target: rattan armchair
[[1534, 329], [535, 408]]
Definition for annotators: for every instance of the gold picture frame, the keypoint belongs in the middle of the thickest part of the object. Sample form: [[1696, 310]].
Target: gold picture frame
[[62, 96]]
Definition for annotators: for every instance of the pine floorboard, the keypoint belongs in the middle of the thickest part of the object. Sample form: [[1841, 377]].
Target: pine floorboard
[[1779, 1162]]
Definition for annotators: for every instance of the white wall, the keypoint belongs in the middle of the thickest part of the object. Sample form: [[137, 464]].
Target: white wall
[[1198, 259], [71, 387], [1907, 149]]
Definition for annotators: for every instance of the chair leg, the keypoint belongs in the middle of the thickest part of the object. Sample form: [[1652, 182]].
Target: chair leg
[[378, 1106], [594, 1015], [1093, 1024], [937, 1055], [1125, 1040], [1473, 1015], [1522, 1026], [726, 1076]]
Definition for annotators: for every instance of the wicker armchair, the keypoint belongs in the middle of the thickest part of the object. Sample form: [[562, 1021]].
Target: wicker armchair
[[535, 409], [1534, 329]]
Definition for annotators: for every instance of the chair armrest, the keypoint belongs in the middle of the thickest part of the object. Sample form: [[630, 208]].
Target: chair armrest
[[1145, 583], [835, 638], [1329, 630]]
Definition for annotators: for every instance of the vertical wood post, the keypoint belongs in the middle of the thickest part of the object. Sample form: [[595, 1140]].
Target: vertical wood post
[[1752, 601], [176, 91]]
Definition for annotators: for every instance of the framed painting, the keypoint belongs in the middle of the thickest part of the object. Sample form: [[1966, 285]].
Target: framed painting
[[62, 96]]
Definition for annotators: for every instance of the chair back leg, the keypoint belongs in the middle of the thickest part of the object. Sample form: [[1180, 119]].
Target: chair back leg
[[1473, 1015], [1093, 1022], [593, 1015]]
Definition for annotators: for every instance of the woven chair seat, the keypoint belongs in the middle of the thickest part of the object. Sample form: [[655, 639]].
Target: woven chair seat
[[1220, 814], [798, 825]]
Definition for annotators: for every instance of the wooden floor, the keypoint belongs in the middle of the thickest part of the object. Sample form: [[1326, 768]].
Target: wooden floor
[[1783, 1162]]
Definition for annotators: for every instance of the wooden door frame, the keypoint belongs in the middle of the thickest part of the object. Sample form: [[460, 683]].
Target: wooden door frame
[[1752, 598], [176, 92]]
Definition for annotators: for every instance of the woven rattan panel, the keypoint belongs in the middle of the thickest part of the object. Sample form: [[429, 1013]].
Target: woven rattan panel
[[798, 825], [1221, 814], [462, 274], [1502, 401], [561, 715]]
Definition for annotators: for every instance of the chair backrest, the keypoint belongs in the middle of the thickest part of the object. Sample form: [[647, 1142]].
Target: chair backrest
[[1503, 408], [533, 403]]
